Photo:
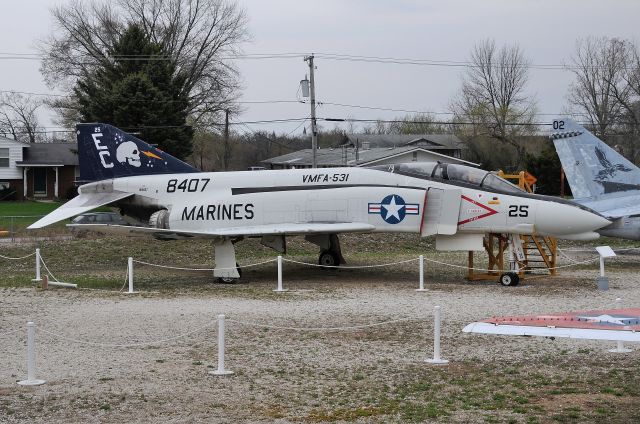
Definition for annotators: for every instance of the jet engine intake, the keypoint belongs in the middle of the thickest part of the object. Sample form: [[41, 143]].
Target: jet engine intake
[[159, 219]]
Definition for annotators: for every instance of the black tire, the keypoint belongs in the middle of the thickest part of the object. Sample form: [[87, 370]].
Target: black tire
[[328, 259], [509, 279]]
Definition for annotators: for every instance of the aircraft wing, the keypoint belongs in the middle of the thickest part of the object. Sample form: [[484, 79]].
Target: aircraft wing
[[80, 204], [612, 324], [254, 230], [615, 207]]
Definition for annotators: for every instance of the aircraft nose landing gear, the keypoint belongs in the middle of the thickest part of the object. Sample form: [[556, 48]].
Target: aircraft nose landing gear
[[231, 280]]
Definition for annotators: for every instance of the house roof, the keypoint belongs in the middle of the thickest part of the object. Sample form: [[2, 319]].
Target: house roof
[[434, 141], [50, 154], [334, 157], [6, 140]]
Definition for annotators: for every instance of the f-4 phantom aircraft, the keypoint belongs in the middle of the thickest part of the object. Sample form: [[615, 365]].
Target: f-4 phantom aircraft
[[456, 203], [600, 178]]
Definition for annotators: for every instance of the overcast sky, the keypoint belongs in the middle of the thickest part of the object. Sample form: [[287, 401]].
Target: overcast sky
[[444, 30]]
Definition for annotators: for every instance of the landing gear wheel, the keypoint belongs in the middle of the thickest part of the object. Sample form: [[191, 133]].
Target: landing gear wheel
[[509, 279], [328, 259], [231, 280]]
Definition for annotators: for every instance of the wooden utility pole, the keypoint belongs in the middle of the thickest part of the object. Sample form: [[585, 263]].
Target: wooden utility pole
[[314, 129]]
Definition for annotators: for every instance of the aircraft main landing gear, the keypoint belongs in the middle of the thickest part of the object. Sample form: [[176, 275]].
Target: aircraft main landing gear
[[330, 253], [509, 279], [328, 259]]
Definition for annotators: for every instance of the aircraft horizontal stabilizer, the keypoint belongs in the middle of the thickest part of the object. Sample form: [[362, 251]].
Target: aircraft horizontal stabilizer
[[80, 204], [256, 230]]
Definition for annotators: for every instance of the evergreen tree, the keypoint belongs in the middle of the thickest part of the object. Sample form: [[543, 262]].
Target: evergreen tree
[[141, 90], [546, 167]]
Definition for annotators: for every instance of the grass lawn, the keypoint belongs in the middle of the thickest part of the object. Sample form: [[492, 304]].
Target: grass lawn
[[30, 210], [27, 208]]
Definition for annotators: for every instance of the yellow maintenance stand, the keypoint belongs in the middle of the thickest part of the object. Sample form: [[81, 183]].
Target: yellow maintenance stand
[[540, 252]]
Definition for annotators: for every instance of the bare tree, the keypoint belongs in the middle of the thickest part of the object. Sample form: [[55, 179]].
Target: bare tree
[[492, 101], [18, 117], [198, 35], [417, 123], [378, 127], [600, 91]]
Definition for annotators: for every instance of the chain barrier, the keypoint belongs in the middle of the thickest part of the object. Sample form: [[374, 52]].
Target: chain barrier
[[494, 270], [210, 325], [150, 343], [350, 267], [349, 328], [564, 255], [10, 332], [17, 259], [47, 268], [201, 269], [613, 248], [126, 280]]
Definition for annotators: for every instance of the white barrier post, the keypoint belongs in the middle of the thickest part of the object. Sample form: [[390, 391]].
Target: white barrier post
[[620, 344], [221, 370], [436, 340], [31, 358], [280, 289], [421, 288], [130, 275], [37, 266]]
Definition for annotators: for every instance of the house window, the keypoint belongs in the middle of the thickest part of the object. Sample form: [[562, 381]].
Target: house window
[[415, 156], [4, 157]]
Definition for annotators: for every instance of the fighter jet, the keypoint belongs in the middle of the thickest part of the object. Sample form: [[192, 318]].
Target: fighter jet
[[458, 204], [600, 178]]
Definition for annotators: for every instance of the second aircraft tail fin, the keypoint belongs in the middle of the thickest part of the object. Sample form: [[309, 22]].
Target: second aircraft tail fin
[[592, 167]]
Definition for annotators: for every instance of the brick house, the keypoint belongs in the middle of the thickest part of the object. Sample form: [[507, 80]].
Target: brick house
[[44, 171]]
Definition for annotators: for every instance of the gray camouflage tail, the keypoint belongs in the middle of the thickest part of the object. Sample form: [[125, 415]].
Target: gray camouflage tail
[[593, 169]]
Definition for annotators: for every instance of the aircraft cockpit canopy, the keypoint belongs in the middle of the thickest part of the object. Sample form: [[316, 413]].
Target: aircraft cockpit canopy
[[453, 173]]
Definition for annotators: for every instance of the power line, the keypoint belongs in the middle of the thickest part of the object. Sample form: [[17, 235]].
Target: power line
[[327, 56], [45, 130], [286, 146], [425, 112], [282, 101]]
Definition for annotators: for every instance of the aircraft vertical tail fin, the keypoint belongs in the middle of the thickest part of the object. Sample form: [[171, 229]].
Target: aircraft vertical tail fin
[[105, 152], [592, 168]]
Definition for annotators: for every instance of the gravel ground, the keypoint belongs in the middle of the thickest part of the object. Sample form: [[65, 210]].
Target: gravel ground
[[369, 374]]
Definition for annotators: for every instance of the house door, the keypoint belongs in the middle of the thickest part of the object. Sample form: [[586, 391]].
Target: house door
[[39, 182]]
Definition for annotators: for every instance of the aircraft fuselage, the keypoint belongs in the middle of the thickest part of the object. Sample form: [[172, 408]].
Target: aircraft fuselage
[[390, 202]]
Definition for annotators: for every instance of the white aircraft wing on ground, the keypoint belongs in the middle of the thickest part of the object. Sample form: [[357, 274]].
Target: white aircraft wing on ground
[[611, 324]]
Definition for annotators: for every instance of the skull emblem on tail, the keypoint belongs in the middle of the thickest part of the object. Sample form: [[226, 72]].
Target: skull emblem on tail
[[128, 152]]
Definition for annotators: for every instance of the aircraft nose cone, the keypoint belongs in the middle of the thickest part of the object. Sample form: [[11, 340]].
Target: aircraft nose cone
[[557, 219]]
